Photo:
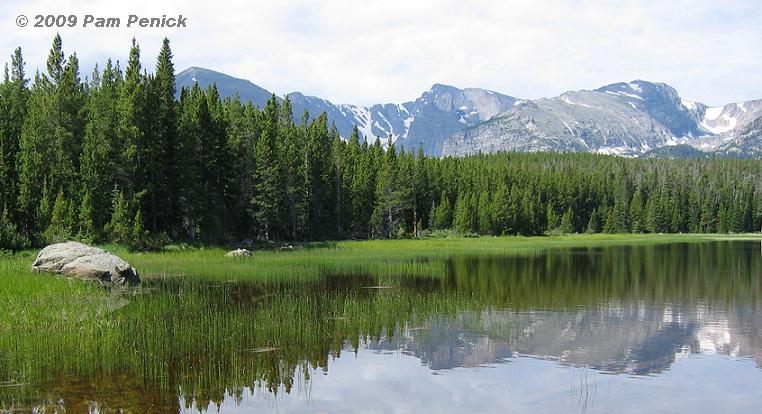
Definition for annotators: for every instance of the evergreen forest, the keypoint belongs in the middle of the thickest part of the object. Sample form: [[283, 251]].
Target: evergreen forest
[[120, 156]]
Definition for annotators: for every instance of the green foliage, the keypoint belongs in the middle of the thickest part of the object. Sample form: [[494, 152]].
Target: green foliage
[[594, 223], [463, 219], [567, 225], [60, 227], [139, 234], [87, 231], [637, 220], [119, 228], [442, 214], [486, 213], [267, 202], [551, 218], [10, 236], [394, 193], [99, 161], [14, 95]]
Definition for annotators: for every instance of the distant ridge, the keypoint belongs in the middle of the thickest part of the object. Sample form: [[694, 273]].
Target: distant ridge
[[637, 118]]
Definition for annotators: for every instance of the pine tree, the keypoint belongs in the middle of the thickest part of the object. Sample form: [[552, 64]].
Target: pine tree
[[593, 224], [294, 168], [131, 167], [42, 141], [69, 126], [708, 222], [267, 201], [422, 190], [504, 211], [637, 222], [551, 218], [320, 178], [617, 217], [722, 219], [611, 226], [654, 215], [463, 217], [342, 180], [486, 213], [119, 227], [363, 189], [163, 147], [443, 213], [242, 131], [43, 210], [14, 95], [139, 234], [190, 189], [393, 197], [59, 229], [99, 159], [10, 236], [87, 231], [566, 226]]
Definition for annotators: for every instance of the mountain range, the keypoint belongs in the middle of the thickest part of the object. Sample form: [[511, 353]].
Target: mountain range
[[637, 118]]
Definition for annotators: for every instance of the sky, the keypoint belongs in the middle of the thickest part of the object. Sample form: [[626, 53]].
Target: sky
[[378, 51]]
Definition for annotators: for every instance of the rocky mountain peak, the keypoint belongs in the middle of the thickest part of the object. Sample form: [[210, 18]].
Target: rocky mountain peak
[[626, 118]]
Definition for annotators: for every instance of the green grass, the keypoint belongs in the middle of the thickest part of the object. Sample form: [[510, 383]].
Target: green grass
[[377, 257]]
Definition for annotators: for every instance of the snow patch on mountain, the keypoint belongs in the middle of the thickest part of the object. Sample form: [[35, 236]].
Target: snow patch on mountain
[[362, 119], [721, 123], [713, 113], [629, 95]]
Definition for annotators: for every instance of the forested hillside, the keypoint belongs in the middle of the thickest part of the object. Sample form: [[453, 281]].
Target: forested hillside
[[117, 157]]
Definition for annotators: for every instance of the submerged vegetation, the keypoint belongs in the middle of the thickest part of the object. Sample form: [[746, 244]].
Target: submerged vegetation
[[122, 157], [203, 325]]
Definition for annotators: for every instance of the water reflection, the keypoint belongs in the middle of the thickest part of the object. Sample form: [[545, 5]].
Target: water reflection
[[634, 339], [545, 329]]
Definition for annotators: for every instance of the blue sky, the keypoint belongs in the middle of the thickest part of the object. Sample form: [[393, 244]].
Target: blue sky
[[391, 50]]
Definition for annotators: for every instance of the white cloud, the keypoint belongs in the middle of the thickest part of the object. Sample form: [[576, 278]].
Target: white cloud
[[392, 50]]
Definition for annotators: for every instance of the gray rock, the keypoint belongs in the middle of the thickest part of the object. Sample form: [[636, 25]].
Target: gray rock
[[238, 253], [85, 262], [629, 119]]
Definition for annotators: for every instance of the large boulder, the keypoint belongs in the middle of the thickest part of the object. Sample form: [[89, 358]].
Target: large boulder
[[85, 262]]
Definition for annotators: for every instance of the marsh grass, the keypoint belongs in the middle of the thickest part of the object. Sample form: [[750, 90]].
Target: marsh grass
[[407, 257]]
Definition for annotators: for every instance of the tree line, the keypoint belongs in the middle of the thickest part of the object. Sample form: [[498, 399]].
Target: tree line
[[120, 158]]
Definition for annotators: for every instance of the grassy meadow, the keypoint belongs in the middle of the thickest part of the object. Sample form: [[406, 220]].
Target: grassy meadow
[[376, 257]]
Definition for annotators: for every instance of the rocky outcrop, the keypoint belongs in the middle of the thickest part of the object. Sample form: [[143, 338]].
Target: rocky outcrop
[[238, 253], [85, 262], [631, 119]]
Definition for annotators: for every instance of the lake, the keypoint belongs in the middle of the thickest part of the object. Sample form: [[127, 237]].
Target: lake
[[636, 328]]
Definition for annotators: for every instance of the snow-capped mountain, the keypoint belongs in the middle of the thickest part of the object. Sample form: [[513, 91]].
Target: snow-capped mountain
[[632, 118], [629, 118], [426, 122]]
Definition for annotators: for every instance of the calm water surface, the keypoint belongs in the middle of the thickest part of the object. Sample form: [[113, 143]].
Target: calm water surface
[[664, 328]]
